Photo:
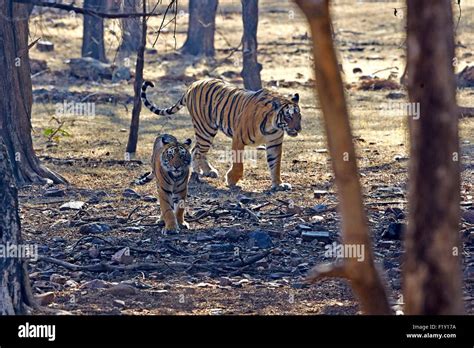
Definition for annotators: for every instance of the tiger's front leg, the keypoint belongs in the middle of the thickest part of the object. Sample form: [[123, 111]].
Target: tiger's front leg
[[167, 212], [180, 208], [237, 170], [274, 151]]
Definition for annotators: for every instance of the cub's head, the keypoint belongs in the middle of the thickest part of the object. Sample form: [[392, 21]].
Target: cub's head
[[289, 114], [175, 157]]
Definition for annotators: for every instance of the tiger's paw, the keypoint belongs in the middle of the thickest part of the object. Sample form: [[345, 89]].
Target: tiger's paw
[[281, 187], [169, 230], [184, 225], [214, 174]]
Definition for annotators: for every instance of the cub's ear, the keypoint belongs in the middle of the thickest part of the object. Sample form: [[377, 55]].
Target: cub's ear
[[276, 105], [295, 98], [188, 142], [167, 139]]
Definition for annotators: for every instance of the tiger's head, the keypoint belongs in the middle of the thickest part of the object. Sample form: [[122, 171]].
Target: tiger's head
[[175, 157], [289, 114]]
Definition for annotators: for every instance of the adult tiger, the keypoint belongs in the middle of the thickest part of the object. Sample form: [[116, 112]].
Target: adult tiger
[[248, 117], [171, 163]]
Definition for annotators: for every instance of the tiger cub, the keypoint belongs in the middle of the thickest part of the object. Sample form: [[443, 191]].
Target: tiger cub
[[248, 117], [171, 162]]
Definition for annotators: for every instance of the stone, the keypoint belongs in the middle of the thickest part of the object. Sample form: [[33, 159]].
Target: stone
[[53, 192], [58, 279], [319, 235], [96, 284], [394, 231], [119, 303], [37, 65], [395, 95], [129, 193], [95, 228], [149, 198], [45, 46], [122, 290], [468, 216], [320, 208], [260, 239], [90, 69], [465, 78], [73, 205], [121, 73], [45, 299], [320, 193], [123, 256]]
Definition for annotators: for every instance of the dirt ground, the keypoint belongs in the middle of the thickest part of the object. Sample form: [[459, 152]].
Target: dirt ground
[[207, 269]]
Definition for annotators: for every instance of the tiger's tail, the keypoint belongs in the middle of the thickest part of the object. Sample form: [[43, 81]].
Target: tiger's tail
[[154, 108], [144, 179]]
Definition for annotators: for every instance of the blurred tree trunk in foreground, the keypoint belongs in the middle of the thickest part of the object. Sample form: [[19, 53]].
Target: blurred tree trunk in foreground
[[131, 32], [137, 103], [93, 32], [16, 96], [12, 294], [432, 283], [251, 69], [201, 28], [362, 274]]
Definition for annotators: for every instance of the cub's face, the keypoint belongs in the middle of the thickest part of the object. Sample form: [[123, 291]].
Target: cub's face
[[289, 116], [176, 158]]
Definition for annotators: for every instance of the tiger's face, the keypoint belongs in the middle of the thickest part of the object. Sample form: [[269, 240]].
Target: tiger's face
[[289, 116], [175, 157]]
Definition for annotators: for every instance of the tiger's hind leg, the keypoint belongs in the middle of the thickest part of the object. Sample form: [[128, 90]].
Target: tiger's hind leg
[[236, 172], [201, 165]]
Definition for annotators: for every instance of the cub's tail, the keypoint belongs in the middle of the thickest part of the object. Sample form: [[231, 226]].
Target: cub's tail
[[154, 108], [144, 179]]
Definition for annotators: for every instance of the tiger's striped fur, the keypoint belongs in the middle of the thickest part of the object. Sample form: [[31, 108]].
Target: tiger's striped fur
[[171, 163], [248, 117]]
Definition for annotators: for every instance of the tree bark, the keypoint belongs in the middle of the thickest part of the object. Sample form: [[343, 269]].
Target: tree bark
[[362, 274], [137, 103], [201, 28], [12, 272], [130, 30], [93, 32], [432, 283], [251, 69], [16, 96]]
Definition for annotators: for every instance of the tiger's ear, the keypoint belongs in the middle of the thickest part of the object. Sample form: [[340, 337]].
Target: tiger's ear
[[276, 105], [188, 142], [295, 98]]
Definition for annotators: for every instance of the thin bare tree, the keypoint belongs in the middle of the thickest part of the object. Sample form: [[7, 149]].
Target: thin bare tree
[[363, 276], [251, 68], [201, 28]]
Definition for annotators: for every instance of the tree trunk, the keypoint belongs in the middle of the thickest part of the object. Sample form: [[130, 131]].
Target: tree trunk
[[361, 272], [16, 96], [12, 274], [201, 28], [432, 283], [93, 35], [137, 103], [130, 30], [252, 68]]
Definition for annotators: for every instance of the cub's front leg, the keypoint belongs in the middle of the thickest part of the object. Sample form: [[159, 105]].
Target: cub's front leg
[[167, 212], [274, 152]]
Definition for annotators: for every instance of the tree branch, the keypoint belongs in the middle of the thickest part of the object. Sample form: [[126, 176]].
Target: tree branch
[[85, 11]]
